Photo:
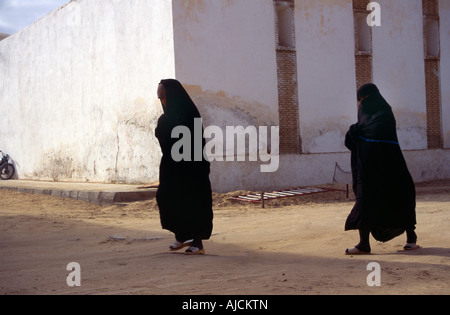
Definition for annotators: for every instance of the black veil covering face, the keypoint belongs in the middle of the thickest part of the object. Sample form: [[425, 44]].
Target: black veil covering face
[[384, 189], [184, 195], [179, 103]]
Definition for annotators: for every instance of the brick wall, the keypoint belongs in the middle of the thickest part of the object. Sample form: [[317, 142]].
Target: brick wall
[[360, 5], [288, 107], [364, 70], [288, 101], [430, 7], [363, 58], [432, 81]]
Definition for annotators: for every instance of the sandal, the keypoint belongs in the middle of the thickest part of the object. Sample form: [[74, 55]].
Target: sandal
[[179, 245], [355, 251], [411, 246], [192, 250]]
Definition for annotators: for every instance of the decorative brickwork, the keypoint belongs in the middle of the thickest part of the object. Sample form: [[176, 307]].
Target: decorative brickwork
[[288, 108], [430, 7], [363, 43], [434, 131], [364, 70], [288, 102], [360, 5], [432, 66]]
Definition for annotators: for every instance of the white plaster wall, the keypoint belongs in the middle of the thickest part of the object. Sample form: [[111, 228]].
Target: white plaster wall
[[326, 73], [398, 68], [225, 57], [444, 10], [79, 88]]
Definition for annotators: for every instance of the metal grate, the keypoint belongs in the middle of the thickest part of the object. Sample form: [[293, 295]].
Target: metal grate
[[293, 192]]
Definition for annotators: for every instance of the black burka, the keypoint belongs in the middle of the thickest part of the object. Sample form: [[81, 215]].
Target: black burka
[[385, 192], [184, 194]]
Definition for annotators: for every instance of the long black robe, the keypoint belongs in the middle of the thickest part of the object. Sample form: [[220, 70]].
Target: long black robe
[[385, 192], [184, 194]]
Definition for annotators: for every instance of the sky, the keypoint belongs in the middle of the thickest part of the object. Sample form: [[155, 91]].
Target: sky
[[18, 14]]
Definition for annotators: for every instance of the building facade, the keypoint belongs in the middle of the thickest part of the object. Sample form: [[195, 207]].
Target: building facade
[[79, 85]]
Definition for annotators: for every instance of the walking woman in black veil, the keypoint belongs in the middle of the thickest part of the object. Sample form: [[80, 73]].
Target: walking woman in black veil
[[385, 193], [184, 194]]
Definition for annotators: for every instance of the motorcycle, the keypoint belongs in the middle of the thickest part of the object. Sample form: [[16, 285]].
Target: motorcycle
[[7, 169]]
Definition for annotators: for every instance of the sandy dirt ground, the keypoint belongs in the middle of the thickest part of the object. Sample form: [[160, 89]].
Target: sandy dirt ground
[[293, 246]]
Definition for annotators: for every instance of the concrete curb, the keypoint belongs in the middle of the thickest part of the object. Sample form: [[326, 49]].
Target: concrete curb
[[102, 194]]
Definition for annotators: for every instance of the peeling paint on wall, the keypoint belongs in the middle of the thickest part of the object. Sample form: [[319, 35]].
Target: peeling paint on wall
[[411, 128], [328, 136], [138, 152], [221, 109], [57, 164]]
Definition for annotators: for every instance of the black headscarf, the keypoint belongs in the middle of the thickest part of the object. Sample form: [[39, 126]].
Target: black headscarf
[[376, 120], [179, 106], [371, 99]]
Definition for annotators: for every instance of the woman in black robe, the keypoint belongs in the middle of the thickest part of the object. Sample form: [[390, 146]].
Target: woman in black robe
[[184, 194], [385, 193]]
